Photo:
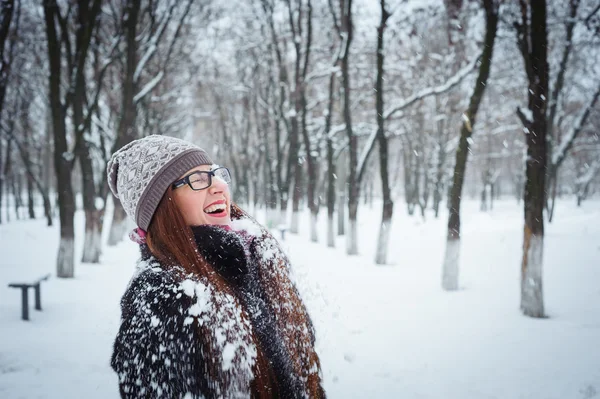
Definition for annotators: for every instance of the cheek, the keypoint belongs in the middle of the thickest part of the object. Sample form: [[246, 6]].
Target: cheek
[[191, 206]]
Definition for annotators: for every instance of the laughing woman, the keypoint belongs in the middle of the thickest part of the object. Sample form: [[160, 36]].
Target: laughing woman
[[211, 311]]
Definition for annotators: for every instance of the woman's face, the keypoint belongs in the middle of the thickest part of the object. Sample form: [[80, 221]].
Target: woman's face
[[208, 206]]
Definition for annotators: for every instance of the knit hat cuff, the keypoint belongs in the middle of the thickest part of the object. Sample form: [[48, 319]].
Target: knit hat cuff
[[161, 181]]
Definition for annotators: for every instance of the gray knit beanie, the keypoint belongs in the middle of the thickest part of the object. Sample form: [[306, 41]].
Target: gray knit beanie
[[141, 171]]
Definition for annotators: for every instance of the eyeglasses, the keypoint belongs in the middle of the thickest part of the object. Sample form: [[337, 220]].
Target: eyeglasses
[[201, 180]]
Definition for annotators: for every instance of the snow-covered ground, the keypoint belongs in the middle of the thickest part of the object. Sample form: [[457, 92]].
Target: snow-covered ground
[[383, 331]]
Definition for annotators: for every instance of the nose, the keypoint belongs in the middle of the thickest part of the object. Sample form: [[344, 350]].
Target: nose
[[217, 185]]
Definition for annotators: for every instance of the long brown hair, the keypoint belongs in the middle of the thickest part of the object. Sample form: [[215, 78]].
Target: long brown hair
[[172, 242], [282, 291]]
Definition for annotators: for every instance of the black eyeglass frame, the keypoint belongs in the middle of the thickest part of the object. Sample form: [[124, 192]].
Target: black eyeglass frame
[[186, 180]]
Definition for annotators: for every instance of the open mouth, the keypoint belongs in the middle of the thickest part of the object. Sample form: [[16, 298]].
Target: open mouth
[[216, 210]]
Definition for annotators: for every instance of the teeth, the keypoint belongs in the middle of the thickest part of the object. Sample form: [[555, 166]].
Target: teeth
[[213, 208]]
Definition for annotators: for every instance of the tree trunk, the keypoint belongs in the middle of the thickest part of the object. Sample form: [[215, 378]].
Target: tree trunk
[[331, 177], [65, 264], [48, 172], [409, 176], [92, 247], [483, 205], [534, 50], [451, 258], [47, 207], [353, 188], [311, 152], [86, 18], [271, 188], [118, 226], [30, 198], [17, 190], [7, 178], [341, 187], [297, 194], [553, 189], [6, 16], [441, 161], [7, 194], [6, 37], [283, 183], [127, 130], [33, 178], [388, 205], [294, 164]]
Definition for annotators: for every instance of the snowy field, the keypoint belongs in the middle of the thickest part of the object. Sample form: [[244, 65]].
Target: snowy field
[[382, 331]]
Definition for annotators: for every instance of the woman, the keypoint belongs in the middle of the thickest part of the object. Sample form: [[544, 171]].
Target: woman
[[211, 311]]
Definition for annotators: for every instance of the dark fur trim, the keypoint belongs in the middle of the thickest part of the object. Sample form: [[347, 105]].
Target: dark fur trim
[[224, 250]]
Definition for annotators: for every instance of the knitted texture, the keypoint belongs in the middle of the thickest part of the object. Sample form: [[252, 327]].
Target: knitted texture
[[141, 171]]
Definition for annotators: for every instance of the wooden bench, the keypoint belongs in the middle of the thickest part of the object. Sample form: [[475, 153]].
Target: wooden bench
[[25, 295]]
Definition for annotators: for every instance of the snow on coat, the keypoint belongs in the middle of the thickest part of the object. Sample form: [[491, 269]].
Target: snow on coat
[[181, 337]]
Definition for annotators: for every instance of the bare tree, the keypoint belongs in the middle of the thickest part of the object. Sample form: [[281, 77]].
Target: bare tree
[[346, 34], [63, 159], [532, 41], [388, 205], [450, 266]]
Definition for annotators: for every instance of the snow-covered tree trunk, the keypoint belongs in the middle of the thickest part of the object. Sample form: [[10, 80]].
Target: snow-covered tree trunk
[[450, 273], [342, 172], [532, 293], [314, 235], [126, 130], [62, 157], [533, 43], [65, 262], [388, 204], [118, 227], [352, 238], [346, 32], [294, 226], [330, 231], [383, 242], [331, 169], [483, 205], [92, 244], [450, 266], [341, 214]]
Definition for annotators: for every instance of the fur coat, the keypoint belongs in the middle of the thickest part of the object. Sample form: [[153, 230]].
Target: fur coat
[[180, 337]]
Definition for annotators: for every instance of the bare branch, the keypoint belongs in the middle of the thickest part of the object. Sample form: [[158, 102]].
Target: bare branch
[[149, 87], [450, 83], [524, 119], [153, 42], [561, 152]]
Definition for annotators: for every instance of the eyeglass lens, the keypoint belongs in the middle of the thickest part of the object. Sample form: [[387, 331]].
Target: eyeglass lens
[[202, 180]]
